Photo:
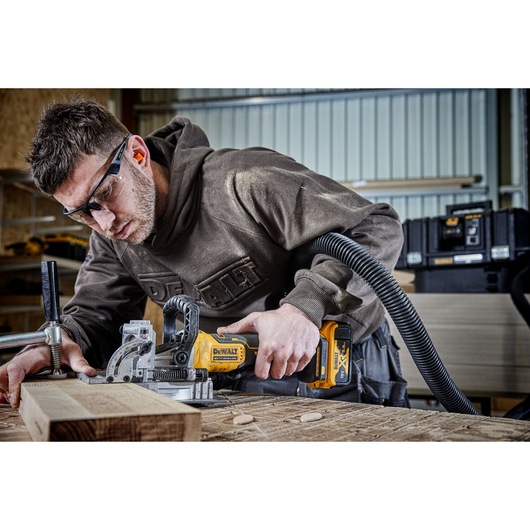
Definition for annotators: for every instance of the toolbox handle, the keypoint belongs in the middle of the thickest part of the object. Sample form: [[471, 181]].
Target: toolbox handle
[[484, 206]]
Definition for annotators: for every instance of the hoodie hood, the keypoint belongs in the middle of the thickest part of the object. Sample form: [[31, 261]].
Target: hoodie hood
[[180, 131], [182, 147]]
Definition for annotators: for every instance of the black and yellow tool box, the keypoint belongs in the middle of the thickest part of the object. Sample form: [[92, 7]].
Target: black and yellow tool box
[[66, 246], [60, 245], [470, 249]]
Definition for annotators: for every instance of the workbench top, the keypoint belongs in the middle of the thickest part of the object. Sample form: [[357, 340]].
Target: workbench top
[[278, 419]]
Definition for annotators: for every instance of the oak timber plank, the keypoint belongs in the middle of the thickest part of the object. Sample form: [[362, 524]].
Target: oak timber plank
[[473, 379], [70, 410], [489, 309], [480, 337], [479, 343]]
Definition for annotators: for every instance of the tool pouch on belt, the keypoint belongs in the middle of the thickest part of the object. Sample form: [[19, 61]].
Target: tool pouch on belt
[[375, 369]]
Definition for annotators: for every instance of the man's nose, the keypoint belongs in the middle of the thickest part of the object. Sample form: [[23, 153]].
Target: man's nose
[[104, 218]]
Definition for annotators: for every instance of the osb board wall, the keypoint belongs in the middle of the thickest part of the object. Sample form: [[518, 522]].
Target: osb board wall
[[20, 110]]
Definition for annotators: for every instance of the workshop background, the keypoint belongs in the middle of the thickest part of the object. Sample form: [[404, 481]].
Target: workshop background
[[420, 150]]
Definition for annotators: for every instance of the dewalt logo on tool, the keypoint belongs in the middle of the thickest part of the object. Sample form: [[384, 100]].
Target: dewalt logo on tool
[[340, 358], [225, 354]]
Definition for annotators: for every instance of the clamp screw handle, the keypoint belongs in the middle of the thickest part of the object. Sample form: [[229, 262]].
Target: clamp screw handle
[[52, 313], [50, 291]]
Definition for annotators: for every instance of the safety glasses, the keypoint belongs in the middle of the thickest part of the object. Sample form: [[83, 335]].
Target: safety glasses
[[104, 190]]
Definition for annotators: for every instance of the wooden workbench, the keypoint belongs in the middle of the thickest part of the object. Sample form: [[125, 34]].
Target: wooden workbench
[[277, 419]]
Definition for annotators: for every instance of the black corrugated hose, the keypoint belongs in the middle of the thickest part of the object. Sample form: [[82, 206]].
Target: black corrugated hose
[[402, 313]]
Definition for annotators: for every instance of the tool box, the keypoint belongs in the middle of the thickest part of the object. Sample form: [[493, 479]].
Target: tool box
[[470, 249], [66, 246]]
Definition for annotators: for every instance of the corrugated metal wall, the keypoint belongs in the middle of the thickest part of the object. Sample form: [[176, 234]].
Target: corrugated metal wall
[[355, 136]]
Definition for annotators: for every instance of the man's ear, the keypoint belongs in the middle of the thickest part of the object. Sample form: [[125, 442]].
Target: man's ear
[[139, 149]]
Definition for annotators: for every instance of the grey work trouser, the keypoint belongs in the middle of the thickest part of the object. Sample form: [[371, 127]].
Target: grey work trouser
[[376, 376]]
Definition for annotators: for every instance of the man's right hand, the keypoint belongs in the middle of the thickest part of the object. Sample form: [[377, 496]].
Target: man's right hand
[[34, 358]]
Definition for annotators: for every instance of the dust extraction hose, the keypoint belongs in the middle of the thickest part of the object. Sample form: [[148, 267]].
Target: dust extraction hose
[[402, 313]]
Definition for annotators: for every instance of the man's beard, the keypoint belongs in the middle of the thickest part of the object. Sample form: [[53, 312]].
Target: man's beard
[[144, 198]]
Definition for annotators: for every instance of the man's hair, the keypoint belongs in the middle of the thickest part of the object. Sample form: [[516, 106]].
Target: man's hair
[[67, 132]]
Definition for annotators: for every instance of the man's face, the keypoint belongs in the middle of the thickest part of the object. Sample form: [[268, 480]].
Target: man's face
[[127, 200]]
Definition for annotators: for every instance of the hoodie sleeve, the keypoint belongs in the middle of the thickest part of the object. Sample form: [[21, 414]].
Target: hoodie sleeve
[[329, 287], [105, 297], [295, 205]]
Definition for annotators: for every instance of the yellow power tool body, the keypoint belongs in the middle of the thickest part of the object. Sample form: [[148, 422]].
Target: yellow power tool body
[[329, 367], [181, 367]]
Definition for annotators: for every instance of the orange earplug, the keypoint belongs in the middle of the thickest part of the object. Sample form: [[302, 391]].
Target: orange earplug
[[138, 157]]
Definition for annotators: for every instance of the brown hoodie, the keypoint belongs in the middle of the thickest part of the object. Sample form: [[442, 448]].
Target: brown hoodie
[[228, 239]]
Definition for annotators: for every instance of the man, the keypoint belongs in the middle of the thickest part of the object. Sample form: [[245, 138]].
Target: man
[[170, 215]]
